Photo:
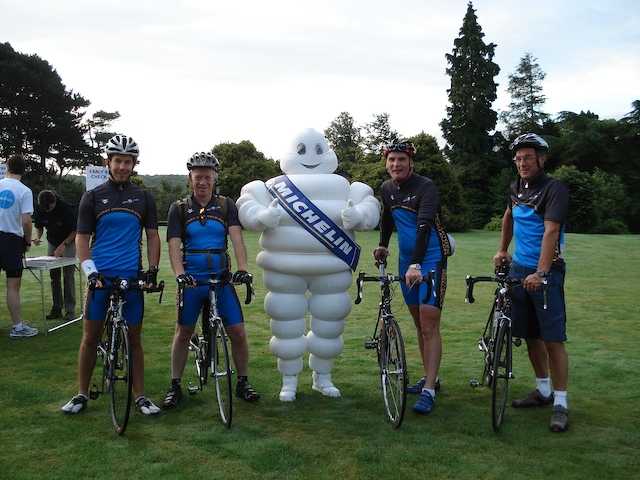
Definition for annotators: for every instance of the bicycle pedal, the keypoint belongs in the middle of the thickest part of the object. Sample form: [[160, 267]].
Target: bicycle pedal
[[474, 383], [94, 393], [192, 389], [371, 344]]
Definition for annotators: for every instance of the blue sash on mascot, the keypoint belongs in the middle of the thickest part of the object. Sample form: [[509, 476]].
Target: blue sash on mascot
[[311, 218]]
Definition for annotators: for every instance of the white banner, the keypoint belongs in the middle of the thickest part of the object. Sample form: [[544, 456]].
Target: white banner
[[95, 175]]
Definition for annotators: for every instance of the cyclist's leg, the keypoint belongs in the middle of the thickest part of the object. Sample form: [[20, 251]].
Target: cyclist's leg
[[231, 313], [552, 322], [133, 312], [95, 311], [286, 304], [329, 305], [525, 325], [193, 301]]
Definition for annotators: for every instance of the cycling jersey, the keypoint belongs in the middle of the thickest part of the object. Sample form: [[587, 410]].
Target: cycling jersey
[[531, 203], [116, 213], [413, 207], [203, 231]]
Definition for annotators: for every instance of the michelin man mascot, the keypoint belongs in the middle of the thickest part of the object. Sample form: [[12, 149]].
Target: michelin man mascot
[[307, 217]]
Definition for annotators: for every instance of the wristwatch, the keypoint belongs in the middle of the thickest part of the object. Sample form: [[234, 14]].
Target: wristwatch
[[542, 274], [416, 266]]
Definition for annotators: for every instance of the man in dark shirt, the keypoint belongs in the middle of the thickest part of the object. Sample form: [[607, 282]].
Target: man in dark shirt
[[197, 232], [111, 220], [59, 218], [534, 219], [411, 203]]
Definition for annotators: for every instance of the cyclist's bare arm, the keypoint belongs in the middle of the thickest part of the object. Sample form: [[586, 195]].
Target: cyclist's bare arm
[[175, 255], [506, 234], [239, 249], [153, 246]]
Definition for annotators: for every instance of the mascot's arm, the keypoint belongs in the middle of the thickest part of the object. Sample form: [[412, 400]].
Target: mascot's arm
[[253, 203], [366, 204]]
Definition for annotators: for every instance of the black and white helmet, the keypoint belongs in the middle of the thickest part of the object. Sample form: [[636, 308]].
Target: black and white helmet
[[204, 160], [530, 140], [123, 145]]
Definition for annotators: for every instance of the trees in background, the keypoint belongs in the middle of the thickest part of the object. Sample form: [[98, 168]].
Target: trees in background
[[241, 163], [525, 88], [470, 118]]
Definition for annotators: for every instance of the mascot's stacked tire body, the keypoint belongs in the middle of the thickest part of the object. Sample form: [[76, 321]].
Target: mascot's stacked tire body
[[295, 262]]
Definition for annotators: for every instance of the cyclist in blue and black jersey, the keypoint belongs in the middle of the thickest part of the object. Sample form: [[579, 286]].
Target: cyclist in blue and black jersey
[[411, 203], [534, 219], [197, 232], [112, 217]]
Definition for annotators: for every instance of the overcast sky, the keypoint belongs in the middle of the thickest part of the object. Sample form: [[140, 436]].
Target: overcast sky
[[189, 74]]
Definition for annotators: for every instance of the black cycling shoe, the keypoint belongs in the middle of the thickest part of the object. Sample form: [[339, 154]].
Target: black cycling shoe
[[246, 392], [173, 396]]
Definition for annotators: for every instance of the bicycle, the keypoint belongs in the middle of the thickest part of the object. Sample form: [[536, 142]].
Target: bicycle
[[389, 345], [113, 350], [496, 342], [210, 348]]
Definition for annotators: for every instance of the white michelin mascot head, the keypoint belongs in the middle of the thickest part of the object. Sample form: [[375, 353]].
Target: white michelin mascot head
[[309, 153]]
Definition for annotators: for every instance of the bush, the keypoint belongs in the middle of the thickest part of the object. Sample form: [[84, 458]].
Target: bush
[[495, 224], [611, 225]]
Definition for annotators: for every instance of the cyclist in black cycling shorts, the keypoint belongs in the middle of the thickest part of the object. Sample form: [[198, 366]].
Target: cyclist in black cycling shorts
[[197, 234], [534, 219], [113, 216], [411, 203]]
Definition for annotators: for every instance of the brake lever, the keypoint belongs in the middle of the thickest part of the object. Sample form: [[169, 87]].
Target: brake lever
[[469, 295], [359, 283]]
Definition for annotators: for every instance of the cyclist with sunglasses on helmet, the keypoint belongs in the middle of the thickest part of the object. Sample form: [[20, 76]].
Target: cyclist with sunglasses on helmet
[[111, 219], [197, 232], [534, 219], [411, 203]]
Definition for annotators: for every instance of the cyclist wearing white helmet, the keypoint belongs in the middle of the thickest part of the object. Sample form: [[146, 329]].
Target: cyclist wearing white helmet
[[197, 231], [534, 219], [112, 216]]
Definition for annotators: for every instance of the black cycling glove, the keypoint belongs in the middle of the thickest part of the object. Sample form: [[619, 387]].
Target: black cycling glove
[[186, 280], [242, 276]]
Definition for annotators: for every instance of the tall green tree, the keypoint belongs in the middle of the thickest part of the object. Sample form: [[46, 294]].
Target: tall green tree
[[525, 109], [39, 116], [470, 118], [99, 128], [345, 139], [241, 163], [378, 133]]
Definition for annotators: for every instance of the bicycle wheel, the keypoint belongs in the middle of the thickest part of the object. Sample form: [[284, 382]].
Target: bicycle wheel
[[500, 375], [221, 371], [393, 373], [120, 379]]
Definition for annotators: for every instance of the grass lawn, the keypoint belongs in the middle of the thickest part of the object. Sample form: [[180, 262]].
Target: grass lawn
[[317, 437]]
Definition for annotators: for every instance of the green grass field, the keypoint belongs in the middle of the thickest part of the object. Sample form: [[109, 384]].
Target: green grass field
[[317, 437]]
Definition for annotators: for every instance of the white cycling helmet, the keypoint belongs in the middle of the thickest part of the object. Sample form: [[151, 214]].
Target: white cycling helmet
[[123, 145]]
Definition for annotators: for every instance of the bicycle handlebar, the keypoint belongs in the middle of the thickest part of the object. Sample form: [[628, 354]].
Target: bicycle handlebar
[[124, 284], [502, 280], [250, 292], [386, 279]]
